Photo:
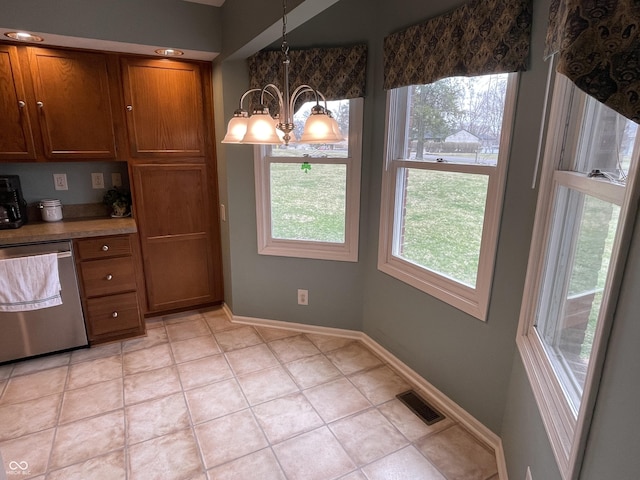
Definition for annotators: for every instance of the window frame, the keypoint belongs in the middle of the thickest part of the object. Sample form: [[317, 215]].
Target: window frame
[[567, 427], [473, 301], [346, 251]]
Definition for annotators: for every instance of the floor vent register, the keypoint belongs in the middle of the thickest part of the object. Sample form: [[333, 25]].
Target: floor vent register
[[422, 409]]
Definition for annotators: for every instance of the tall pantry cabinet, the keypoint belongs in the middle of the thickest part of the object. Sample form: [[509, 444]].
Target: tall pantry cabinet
[[173, 171], [59, 104]]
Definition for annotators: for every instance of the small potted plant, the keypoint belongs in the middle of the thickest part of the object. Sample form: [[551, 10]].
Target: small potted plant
[[119, 201]]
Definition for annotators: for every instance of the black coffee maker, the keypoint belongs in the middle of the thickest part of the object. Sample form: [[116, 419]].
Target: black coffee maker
[[13, 208]]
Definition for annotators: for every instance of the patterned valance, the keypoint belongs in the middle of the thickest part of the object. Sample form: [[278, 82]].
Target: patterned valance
[[480, 37], [339, 73], [598, 48]]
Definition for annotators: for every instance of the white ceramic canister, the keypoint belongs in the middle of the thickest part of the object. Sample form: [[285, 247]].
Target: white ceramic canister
[[51, 210]]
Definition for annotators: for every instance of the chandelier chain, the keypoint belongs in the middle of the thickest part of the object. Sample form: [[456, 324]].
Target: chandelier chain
[[285, 45]]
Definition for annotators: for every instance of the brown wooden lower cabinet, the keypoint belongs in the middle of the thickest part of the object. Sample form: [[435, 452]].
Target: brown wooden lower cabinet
[[110, 284], [95, 274], [114, 313], [179, 235]]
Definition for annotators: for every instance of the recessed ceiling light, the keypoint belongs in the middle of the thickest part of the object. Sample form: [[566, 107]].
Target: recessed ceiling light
[[169, 52], [24, 37]]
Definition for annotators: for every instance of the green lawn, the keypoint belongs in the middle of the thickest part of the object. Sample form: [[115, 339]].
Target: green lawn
[[444, 214], [592, 256], [308, 205]]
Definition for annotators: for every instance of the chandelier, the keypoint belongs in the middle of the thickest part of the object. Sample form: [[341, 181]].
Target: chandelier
[[260, 128]]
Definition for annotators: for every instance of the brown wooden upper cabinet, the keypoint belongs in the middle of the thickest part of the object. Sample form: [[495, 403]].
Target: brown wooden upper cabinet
[[16, 136], [164, 108], [73, 103]]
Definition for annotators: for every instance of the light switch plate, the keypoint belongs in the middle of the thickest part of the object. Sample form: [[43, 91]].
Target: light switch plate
[[303, 297], [116, 180], [60, 181], [97, 180]]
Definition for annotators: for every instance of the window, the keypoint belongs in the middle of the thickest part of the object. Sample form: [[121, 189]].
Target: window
[[446, 157], [572, 277], [308, 195]]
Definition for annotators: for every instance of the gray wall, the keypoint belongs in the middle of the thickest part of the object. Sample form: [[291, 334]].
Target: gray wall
[[36, 180], [524, 439]]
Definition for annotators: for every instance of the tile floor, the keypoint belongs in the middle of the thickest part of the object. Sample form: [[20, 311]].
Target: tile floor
[[201, 398]]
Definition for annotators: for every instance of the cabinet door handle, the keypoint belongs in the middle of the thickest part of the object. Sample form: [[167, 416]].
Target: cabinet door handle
[[129, 108], [21, 103], [105, 248], [109, 277], [40, 104], [114, 315]]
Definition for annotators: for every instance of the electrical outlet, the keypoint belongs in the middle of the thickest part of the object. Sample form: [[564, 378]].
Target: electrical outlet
[[97, 180], [223, 212], [116, 180], [303, 297], [60, 181]]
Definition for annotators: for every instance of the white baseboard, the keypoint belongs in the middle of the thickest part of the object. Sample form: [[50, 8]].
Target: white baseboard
[[428, 391]]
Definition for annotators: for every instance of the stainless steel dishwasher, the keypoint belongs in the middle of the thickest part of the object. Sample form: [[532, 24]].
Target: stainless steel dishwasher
[[53, 329]]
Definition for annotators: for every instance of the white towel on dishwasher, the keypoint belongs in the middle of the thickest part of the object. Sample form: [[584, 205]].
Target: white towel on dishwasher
[[29, 283]]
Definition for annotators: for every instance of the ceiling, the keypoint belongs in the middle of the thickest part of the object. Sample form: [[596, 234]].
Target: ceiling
[[213, 3]]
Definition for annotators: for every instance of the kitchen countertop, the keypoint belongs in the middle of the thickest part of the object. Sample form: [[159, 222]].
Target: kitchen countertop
[[66, 229]]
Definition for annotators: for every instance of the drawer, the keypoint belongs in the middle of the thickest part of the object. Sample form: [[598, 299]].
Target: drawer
[[113, 314], [103, 247], [104, 277]]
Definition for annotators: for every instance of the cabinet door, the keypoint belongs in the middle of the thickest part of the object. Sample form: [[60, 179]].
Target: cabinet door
[[16, 138], [164, 108], [73, 102], [175, 227]]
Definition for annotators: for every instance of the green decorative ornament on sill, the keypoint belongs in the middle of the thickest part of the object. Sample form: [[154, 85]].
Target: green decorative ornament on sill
[[306, 167], [119, 201]]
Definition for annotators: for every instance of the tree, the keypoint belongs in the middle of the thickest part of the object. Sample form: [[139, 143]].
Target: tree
[[485, 105], [434, 111], [340, 111]]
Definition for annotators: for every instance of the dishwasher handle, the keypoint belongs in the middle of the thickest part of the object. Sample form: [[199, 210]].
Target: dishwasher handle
[[65, 254]]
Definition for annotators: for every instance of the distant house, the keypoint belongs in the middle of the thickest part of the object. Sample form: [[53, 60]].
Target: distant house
[[462, 136], [487, 144]]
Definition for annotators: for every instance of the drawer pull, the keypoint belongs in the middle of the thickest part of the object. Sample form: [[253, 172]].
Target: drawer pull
[[105, 248], [109, 277], [114, 315]]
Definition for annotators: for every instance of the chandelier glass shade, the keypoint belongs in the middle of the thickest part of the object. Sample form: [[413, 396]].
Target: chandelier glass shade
[[261, 128]]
